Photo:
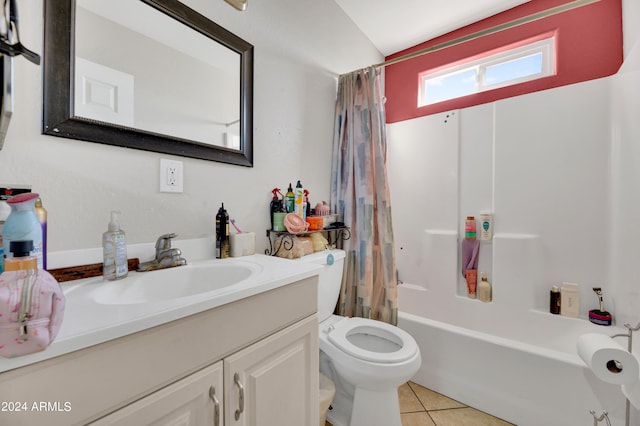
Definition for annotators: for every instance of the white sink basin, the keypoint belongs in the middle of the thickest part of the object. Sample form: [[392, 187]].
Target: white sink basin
[[174, 283]]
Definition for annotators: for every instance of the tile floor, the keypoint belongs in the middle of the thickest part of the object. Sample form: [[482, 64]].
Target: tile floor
[[420, 406]]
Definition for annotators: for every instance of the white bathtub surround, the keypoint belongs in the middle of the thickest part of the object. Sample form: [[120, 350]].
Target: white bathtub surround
[[558, 170]]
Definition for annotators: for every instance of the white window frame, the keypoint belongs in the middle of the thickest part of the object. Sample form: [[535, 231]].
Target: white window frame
[[546, 47]]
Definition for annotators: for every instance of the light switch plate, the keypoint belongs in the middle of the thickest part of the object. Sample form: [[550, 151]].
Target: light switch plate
[[171, 176]]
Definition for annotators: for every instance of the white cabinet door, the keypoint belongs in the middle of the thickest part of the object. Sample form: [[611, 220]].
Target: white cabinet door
[[196, 400], [274, 382]]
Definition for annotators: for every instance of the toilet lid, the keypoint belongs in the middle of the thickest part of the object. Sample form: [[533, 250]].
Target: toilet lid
[[372, 340]]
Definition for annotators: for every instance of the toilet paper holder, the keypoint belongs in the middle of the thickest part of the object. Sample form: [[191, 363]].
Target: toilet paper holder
[[629, 337]]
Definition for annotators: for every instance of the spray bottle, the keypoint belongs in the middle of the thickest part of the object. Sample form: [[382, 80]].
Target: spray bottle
[[275, 205]]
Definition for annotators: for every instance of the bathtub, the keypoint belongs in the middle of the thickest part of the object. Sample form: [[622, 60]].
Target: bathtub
[[510, 357], [527, 375]]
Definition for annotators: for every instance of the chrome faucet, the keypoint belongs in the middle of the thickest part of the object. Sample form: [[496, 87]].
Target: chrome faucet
[[166, 256]]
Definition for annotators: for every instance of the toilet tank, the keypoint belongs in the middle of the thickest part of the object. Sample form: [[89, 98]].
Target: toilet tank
[[329, 280]]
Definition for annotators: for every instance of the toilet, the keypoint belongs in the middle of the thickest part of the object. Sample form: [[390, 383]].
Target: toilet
[[366, 359]]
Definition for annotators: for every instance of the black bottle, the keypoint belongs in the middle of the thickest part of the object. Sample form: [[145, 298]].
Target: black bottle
[[222, 234], [554, 300]]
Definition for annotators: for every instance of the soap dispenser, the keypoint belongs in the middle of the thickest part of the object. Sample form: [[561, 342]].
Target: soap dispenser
[[114, 251]]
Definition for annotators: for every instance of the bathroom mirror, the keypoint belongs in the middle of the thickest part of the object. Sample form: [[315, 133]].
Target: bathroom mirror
[[147, 74]]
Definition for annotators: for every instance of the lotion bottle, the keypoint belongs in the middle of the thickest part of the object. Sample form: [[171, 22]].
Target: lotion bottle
[[484, 289], [114, 251]]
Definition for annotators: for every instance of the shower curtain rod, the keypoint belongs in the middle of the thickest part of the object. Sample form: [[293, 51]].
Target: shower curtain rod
[[507, 25]]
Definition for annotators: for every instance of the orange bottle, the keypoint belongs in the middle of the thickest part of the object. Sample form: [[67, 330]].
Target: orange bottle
[[22, 258]]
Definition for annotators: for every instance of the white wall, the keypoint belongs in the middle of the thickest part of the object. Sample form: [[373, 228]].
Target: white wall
[[300, 48]]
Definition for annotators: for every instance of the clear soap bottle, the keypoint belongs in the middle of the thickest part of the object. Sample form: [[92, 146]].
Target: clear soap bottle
[[114, 251]]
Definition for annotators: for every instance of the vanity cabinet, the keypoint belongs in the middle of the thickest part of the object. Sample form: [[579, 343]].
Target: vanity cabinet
[[193, 401], [272, 381], [165, 375]]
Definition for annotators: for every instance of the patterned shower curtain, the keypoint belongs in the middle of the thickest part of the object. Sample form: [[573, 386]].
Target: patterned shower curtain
[[360, 192]]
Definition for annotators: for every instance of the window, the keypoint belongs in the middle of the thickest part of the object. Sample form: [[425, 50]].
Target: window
[[517, 65]]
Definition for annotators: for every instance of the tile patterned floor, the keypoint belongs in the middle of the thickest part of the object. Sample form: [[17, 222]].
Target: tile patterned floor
[[420, 406]]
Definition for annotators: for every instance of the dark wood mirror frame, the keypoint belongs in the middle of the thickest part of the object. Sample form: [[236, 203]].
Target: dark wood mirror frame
[[58, 90]]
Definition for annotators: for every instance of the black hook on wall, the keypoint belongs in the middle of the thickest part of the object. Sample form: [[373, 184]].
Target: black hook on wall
[[9, 35]]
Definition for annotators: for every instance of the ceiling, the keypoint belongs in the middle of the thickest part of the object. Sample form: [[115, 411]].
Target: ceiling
[[394, 25]]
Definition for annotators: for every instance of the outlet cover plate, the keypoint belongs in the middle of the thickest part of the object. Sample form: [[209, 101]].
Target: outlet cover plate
[[171, 176]]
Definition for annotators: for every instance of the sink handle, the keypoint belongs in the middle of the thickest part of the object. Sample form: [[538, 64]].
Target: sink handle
[[164, 242], [216, 406], [236, 379]]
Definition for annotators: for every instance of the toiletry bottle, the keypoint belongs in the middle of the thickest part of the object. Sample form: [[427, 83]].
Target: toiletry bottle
[[486, 226], [222, 234], [23, 224], [114, 251], [569, 300], [484, 289], [470, 228], [5, 210], [554, 300], [299, 200], [21, 256], [289, 200], [275, 204], [307, 205], [42, 218]]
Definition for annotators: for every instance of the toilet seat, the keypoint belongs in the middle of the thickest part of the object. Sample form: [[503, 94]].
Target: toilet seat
[[347, 333]]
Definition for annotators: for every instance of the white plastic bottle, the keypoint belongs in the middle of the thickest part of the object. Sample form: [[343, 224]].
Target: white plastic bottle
[[114, 251], [570, 300], [484, 289], [299, 200]]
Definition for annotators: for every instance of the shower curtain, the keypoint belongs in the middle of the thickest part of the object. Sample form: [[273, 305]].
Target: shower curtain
[[359, 191]]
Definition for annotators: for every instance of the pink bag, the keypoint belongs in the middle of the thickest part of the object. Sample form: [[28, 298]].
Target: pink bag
[[31, 311]]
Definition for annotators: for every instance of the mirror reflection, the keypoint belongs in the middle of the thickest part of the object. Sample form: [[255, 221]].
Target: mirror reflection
[[147, 74], [178, 83]]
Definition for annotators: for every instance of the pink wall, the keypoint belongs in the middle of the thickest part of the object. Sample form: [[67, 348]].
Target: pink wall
[[588, 42]]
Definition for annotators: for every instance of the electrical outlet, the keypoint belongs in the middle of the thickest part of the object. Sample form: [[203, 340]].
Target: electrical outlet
[[171, 179]]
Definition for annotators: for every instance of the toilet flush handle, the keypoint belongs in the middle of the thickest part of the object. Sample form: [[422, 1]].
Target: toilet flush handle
[[236, 379]]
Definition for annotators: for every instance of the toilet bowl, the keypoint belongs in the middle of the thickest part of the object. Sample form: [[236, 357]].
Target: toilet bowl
[[367, 360]]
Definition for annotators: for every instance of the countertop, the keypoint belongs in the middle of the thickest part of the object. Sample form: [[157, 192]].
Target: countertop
[[87, 322]]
